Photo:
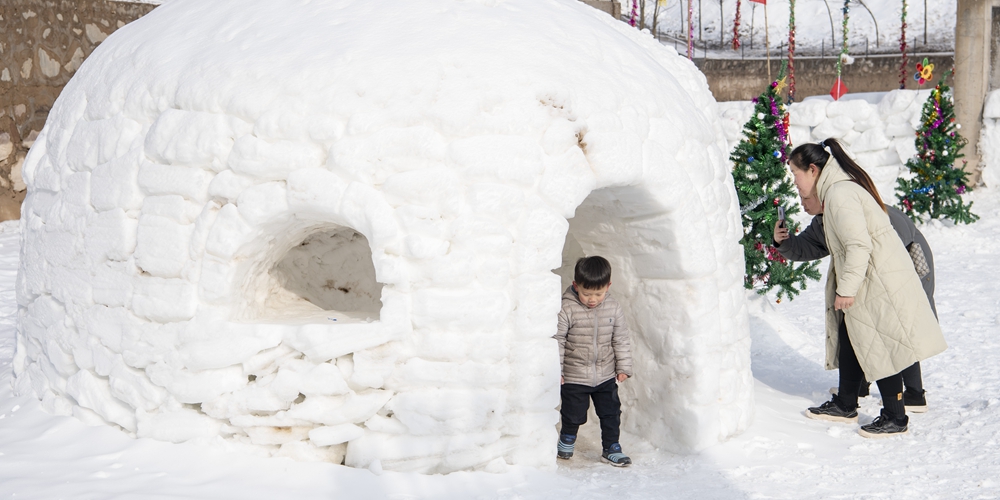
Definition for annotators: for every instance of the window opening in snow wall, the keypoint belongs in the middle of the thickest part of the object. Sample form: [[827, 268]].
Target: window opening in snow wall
[[327, 276]]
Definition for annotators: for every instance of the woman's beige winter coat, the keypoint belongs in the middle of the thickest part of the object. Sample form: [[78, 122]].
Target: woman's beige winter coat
[[891, 325]]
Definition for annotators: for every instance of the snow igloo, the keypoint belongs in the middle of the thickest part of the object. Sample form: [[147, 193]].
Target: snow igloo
[[339, 230]]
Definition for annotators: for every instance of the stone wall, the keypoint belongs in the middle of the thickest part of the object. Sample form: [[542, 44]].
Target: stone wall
[[612, 7], [42, 43], [744, 79]]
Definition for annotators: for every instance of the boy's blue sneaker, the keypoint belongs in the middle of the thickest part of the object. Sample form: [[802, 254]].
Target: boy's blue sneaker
[[614, 456], [566, 444]]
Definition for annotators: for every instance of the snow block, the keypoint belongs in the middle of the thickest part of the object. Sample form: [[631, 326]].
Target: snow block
[[181, 137], [991, 109], [855, 109], [115, 184], [870, 140], [189, 182], [798, 135], [836, 127], [94, 393], [173, 207], [989, 147], [162, 246], [808, 113], [896, 102], [164, 299], [110, 235], [273, 161], [263, 203], [331, 435], [498, 158]]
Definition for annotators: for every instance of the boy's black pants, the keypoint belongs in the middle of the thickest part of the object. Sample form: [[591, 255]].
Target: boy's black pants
[[576, 401]]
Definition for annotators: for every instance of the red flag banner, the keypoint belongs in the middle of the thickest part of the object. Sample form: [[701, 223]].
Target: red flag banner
[[759, 1]]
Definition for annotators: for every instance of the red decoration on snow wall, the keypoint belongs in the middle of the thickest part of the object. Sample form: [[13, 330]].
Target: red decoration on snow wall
[[838, 90]]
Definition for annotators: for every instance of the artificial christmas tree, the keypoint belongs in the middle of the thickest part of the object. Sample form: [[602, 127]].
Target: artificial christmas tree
[[935, 187], [762, 185]]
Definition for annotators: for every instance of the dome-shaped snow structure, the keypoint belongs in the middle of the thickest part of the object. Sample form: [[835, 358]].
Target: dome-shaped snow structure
[[328, 229]]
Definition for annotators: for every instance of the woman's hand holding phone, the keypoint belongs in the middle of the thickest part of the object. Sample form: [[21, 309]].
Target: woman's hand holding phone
[[780, 228]]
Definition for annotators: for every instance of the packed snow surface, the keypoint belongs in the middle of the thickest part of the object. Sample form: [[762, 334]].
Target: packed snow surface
[[327, 231]]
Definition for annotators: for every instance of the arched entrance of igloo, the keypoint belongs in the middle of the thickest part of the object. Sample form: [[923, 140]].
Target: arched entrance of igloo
[[687, 389], [318, 273]]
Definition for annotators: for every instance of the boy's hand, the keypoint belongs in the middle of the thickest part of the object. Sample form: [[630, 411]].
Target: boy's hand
[[622, 377], [562, 380], [780, 233]]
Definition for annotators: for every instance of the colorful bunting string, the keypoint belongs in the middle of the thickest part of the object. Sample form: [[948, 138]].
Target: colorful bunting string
[[843, 49], [902, 48], [690, 31], [791, 51], [736, 28], [839, 89]]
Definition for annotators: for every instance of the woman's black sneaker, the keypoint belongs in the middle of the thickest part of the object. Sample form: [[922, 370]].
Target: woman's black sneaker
[[833, 412], [915, 402], [885, 427]]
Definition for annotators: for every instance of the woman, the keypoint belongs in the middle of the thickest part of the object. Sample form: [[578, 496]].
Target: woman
[[878, 320]]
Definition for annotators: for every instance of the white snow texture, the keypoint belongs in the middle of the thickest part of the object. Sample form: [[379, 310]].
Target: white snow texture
[[285, 227]]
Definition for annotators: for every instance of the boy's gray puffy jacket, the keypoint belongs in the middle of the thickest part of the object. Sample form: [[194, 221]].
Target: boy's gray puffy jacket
[[594, 344]]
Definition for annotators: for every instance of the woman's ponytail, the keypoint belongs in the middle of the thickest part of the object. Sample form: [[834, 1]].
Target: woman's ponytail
[[854, 170], [818, 154]]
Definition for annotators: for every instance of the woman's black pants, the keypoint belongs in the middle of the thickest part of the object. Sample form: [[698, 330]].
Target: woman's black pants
[[851, 377]]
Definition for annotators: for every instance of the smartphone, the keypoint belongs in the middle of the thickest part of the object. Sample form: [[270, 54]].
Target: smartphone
[[781, 216]]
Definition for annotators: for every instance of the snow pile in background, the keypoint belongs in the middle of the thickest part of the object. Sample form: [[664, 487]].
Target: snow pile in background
[[989, 139], [289, 229], [877, 128]]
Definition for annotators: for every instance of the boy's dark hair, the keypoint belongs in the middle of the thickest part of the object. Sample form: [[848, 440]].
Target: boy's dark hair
[[592, 272]]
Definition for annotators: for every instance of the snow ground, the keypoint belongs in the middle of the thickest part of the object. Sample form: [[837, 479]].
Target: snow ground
[[953, 451]]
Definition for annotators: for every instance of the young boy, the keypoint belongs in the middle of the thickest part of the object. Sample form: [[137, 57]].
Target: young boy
[[595, 353]]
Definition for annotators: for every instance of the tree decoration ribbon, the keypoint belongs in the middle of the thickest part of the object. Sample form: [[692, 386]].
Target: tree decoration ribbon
[[839, 89], [736, 28], [924, 72], [902, 48], [791, 51], [690, 31]]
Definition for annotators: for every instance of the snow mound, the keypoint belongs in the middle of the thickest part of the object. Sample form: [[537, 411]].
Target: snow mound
[[287, 228]]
